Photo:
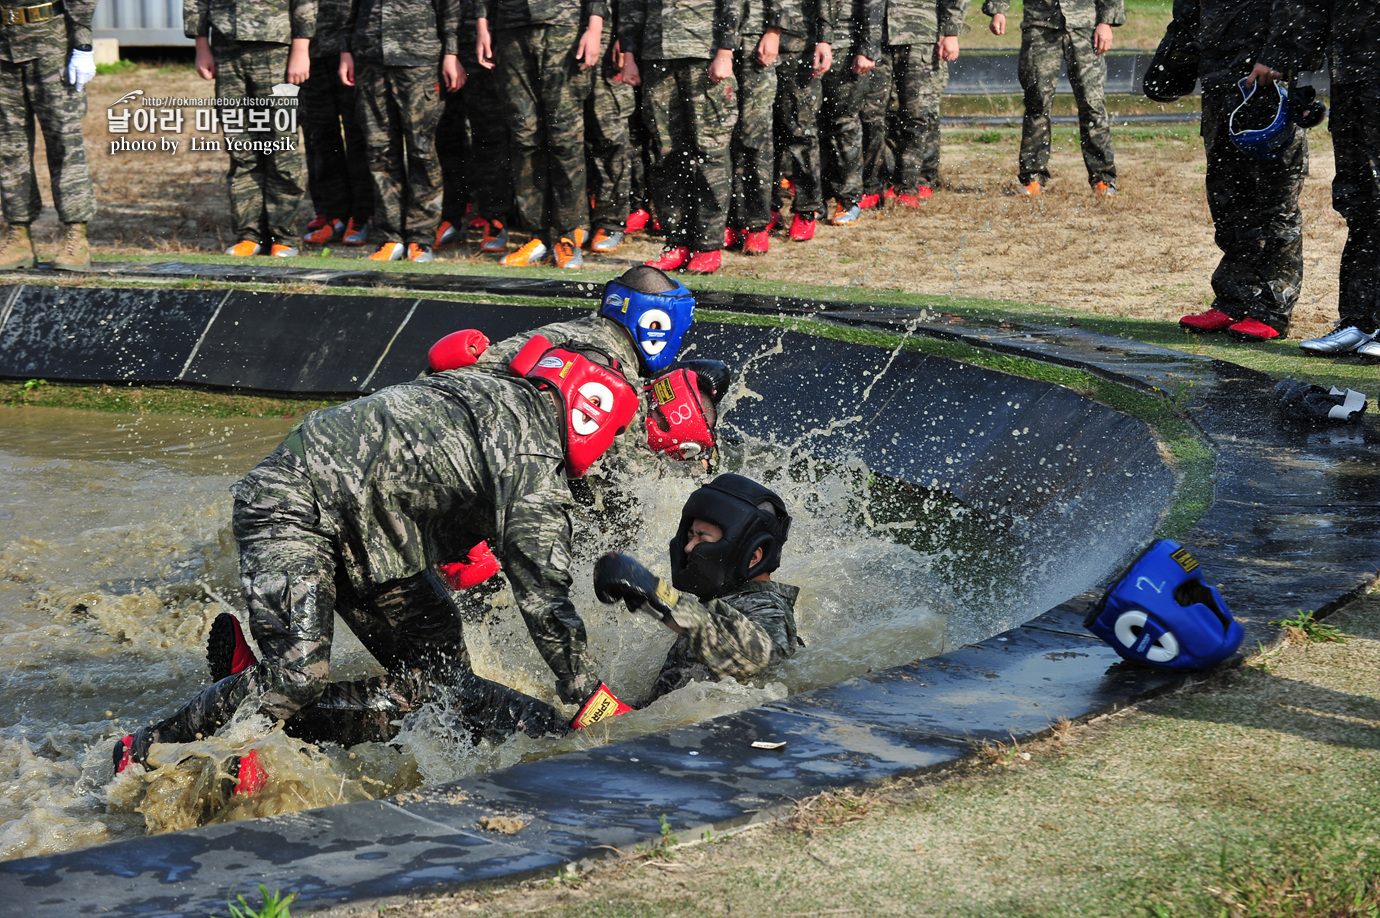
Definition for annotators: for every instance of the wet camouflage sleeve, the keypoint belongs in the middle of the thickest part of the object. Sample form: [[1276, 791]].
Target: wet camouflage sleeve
[[739, 634], [250, 20], [688, 29], [1063, 14], [921, 22], [404, 33]]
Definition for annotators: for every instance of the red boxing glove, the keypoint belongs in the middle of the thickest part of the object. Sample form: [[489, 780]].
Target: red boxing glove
[[602, 705], [456, 350], [461, 575]]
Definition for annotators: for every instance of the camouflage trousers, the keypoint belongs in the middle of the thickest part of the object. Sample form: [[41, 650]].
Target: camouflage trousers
[[265, 187], [608, 145], [337, 170], [751, 150], [35, 90], [914, 77], [399, 109], [689, 125], [1042, 53], [1355, 126], [796, 124], [544, 91], [291, 571], [472, 144], [1256, 218], [844, 95]]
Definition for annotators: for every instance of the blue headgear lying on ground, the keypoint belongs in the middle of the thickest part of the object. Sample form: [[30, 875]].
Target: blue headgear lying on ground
[[657, 321], [1303, 401], [1260, 126], [1162, 612], [734, 504]]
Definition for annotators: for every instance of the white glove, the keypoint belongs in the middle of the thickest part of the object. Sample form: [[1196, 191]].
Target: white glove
[[81, 69]]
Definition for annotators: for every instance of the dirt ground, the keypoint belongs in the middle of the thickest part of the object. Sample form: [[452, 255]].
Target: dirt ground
[[1147, 254]]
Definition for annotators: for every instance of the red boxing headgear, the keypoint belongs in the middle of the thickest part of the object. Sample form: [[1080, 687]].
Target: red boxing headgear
[[676, 422], [456, 350], [599, 401]]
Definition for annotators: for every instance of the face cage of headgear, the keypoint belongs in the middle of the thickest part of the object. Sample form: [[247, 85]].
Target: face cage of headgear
[[657, 321], [730, 502], [675, 400], [599, 401]]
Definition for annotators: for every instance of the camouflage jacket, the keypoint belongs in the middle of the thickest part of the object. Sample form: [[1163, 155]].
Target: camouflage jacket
[[921, 22], [403, 33], [416, 473], [548, 12], [27, 41], [1231, 33], [1063, 14], [1348, 31], [329, 40], [852, 27], [660, 30], [739, 634], [756, 16], [277, 21]]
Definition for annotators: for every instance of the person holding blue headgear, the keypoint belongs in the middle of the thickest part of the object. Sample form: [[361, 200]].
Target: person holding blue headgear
[[1253, 190]]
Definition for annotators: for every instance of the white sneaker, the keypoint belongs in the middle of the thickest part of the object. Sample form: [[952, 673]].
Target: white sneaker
[[1339, 341]]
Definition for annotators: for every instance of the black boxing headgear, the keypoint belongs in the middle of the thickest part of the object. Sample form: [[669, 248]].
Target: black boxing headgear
[[751, 516]]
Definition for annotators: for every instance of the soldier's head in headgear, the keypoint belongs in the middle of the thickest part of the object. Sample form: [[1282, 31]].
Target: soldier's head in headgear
[[731, 531], [654, 309]]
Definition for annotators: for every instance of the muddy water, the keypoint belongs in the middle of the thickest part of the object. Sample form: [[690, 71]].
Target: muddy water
[[115, 554]]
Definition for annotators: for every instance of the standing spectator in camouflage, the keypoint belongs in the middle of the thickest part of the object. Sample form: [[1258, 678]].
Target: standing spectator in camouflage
[[918, 38], [1076, 32], [352, 514], [248, 47], [472, 142], [752, 152], [608, 145], [543, 52], [856, 30], [393, 48], [45, 63], [338, 179], [685, 58], [728, 543], [1254, 203], [1348, 31]]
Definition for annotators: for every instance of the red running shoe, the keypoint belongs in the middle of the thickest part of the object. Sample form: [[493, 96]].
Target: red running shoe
[[1251, 330], [775, 219], [803, 228], [733, 236], [637, 221], [758, 243], [250, 774], [123, 746], [227, 652], [1214, 320], [869, 201], [671, 258], [705, 262]]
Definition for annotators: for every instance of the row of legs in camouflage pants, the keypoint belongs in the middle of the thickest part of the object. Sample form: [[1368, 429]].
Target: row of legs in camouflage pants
[[913, 77], [1043, 51], [294, 585]]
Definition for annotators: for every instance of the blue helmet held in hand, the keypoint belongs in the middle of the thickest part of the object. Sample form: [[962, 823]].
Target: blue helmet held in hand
[[1162, 612], [1260, 126], [655, 309]]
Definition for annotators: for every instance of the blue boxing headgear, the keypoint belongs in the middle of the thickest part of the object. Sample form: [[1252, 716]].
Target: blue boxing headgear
[[656, 321], [1162, 612], [1261, 127]]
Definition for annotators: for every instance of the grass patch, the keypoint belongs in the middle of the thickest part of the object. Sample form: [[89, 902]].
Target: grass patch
[[153, 400]]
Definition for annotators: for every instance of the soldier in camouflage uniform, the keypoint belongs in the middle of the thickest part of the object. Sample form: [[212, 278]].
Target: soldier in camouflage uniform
[[683, 58], [728, 543], [1076, 32], [248, 47], [338, 179], [762, 25], [351, 514], [918, 38], [45, 62], [543, 52], [608, 145], [392, 52], [1254, 203], [1349, 32]]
